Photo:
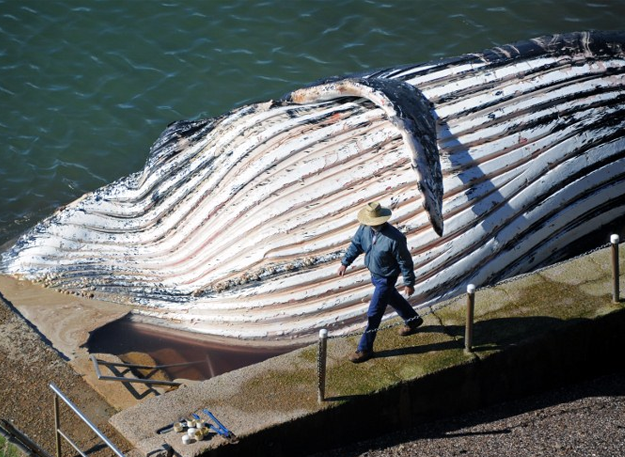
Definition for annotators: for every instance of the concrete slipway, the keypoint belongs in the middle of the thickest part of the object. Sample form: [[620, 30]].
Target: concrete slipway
[[531, 333]]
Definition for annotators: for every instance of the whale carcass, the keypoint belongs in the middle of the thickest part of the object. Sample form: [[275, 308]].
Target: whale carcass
[[492, 162]]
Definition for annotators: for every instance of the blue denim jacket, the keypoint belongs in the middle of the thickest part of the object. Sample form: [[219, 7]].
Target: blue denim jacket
[[388, 257]]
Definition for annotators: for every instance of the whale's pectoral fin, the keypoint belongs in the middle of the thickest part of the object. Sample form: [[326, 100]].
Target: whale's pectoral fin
[[414, 117], [410, 111]]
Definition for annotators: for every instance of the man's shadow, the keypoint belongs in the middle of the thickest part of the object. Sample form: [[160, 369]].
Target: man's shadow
[[488, 335]]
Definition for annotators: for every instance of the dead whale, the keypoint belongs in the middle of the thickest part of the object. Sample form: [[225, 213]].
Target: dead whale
[[493, 163]]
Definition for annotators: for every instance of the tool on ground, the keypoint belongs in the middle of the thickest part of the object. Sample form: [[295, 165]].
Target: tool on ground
[[198, 427], [195, 429], [201, 428], [219, 427], [168, 428]]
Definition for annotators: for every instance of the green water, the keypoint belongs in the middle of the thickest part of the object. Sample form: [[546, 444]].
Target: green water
[[86, 86]]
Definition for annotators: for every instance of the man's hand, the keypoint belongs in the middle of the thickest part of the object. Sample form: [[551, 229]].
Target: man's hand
[[342, 270], [409, 290]]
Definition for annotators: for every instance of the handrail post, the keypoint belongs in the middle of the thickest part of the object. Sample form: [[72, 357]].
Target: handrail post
[[84, 418], [57, 425], [614, 239], [321, 364], [468, 333]]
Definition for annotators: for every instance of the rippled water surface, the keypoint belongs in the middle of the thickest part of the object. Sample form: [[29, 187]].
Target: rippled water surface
[[87, 86]]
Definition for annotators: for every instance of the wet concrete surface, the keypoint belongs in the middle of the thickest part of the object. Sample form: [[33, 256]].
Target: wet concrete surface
[[183, 355]]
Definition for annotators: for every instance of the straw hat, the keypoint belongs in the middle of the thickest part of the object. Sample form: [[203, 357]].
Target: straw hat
[[374, 214]]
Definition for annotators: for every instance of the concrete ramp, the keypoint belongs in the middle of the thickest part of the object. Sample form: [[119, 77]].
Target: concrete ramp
[[531, 333]]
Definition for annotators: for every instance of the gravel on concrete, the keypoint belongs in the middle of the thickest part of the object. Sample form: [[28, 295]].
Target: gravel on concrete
[[27, 366], [585, 420]]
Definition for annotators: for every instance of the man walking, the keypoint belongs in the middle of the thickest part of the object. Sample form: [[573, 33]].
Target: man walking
[[386, 256]]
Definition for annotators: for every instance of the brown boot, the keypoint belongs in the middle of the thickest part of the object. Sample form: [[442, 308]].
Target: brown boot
[[411, 327], [360, 356]]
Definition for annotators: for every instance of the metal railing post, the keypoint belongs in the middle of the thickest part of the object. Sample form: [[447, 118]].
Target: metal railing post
[[468, 333], [614, 239], [57, 425], [84, 418], [321, 364]]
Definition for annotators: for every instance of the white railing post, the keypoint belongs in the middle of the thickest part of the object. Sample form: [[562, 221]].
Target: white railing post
[[614, 239], [468, 332], [321, 364]]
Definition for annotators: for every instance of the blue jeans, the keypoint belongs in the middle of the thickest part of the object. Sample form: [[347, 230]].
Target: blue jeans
[[383, 295]]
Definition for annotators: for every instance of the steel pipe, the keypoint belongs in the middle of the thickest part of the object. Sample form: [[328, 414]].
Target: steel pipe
[[102, 436]]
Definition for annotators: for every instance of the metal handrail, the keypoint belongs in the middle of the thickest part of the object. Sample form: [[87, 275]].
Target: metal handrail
[[101, 377], [57, 426]]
